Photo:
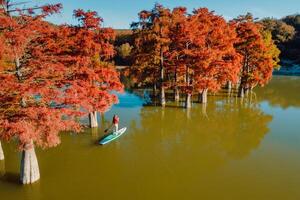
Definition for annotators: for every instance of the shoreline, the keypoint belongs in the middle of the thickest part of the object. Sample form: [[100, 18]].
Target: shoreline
[[288, 68], [286, 73]]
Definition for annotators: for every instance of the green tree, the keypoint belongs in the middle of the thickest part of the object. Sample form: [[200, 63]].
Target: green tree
[[293, 20], [273, 52], [281, 31], [292, 48], [124, 50]]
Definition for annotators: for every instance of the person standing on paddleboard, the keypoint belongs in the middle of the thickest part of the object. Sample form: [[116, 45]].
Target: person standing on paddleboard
[[115, 124]]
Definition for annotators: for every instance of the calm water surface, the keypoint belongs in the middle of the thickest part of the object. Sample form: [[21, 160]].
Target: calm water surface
[[228, 150]]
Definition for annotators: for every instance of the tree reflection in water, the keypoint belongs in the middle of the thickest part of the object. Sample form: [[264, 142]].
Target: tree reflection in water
[[282, 91], [204, 136], [2, 168]]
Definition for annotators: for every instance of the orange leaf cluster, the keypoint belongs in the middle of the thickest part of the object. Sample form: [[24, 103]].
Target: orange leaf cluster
[[195, 50], [51, 75], [260, 55]]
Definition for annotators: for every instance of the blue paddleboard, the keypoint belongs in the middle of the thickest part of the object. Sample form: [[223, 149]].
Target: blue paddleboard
[[112, 136]]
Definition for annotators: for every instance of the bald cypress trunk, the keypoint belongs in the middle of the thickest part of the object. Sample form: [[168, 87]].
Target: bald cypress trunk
[[29, 168], [241, 92], [176, 90], [250, 99], [188, 100], [237, 86], [162, 76], [203, 96], [154, 90], [162, 97], [246, 91], [93, 119], [229, 86], [29, 172], [176, 94], [1, 152], [243, 87]]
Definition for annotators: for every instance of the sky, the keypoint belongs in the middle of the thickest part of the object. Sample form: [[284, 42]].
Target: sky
[[120, 13]]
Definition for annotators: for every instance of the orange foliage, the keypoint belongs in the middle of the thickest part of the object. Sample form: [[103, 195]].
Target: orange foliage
[[197, 50], [258, 61], [152, 40], [215, 60], [56, 74]]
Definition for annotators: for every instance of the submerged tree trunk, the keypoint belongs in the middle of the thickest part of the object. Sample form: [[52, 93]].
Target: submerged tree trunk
[[176, 94], [1, 152], [241, 92], [229, 86], [238, 84], [154, 90], [250, 99], [162, 76], [93, 119], [203, 96], [176, 90], [188, 100], [246, 91], [29, 172], [162, 97]]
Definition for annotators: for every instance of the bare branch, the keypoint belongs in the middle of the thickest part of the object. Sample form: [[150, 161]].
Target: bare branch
[[20, 3]]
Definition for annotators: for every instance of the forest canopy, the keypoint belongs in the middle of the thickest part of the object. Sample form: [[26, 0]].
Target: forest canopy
[[285, 33]]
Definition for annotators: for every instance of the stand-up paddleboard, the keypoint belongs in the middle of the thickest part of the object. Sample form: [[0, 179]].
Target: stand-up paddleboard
[[112, 136]]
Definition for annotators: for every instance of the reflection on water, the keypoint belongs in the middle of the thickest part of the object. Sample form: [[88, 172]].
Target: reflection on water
[[2, 168], [228, 149], [283, 91], [225, 131]]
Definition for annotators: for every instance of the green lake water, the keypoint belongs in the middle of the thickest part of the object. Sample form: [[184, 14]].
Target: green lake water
[[227, 150]]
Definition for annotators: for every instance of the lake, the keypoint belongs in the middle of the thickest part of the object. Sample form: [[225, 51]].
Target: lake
[[228, 150]]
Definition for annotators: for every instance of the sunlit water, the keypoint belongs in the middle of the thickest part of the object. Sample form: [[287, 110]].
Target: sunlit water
[[229, 150]]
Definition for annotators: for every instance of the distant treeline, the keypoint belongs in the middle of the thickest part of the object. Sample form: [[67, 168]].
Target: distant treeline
[[123, 46], [285, 33]]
